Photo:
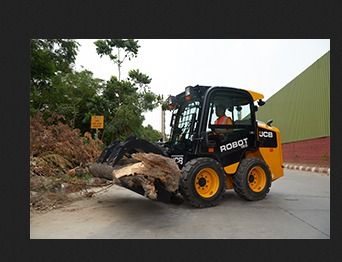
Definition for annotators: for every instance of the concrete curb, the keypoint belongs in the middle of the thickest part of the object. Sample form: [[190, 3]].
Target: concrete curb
[[322, 170]]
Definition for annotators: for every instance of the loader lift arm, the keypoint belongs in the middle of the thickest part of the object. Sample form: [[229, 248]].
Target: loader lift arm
[[117, 150]]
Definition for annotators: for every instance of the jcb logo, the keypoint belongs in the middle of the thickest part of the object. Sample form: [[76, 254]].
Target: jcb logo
[[266, 134], [178, 159]]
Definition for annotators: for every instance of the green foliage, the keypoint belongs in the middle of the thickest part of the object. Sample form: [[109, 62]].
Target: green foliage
[[125, 99], [50, 57], [126, 103], [57, 88], [73, 95], [139, 78], [107, 47], [165, 106], [149, 134]]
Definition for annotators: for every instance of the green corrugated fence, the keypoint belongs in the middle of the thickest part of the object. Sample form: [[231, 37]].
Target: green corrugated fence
[[301, 109]]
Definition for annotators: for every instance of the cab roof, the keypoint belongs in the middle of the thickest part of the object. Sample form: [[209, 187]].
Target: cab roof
[[255, 95]]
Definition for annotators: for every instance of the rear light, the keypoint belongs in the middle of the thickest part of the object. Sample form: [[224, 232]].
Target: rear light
[[211, 149]]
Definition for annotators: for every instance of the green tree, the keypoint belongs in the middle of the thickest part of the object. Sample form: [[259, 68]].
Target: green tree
[[126, 100], [113, 48], [50, 59], [82, 97], [73, 95], [149, 134], [124, 112], [57, 88], [148, 100]]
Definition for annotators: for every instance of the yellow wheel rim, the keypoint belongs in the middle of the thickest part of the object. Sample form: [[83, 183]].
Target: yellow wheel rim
[[256, 179], [207, 182]]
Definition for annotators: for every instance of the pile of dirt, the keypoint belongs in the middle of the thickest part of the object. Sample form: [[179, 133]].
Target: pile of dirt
[[53, 184]]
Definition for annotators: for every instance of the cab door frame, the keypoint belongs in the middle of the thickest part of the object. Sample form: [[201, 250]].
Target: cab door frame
[[237, 155]]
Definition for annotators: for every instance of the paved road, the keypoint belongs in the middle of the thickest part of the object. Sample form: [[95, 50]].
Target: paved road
[[298, 206]]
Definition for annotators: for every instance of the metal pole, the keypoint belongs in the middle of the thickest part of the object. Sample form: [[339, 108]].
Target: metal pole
[[163, 124]]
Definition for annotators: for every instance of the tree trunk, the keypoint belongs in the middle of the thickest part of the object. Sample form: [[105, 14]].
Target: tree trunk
[[144, 170], [119, 64]]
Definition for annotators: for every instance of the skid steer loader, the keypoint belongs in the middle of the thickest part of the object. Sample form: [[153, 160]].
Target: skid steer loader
[[242, 154]]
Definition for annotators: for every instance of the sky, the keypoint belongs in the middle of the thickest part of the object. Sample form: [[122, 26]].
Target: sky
[[261, 65]]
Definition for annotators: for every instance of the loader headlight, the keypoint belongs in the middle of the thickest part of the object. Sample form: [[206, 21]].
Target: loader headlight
[[187, 96], [187, 91], [171, 102]]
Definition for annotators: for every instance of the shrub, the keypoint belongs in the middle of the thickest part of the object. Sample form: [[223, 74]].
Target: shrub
[[52, 136]]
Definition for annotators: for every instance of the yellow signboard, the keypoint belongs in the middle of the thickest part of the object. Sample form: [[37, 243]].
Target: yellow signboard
[[97, 122]]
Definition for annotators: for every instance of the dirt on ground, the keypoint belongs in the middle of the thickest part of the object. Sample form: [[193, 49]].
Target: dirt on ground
[[54, 184]]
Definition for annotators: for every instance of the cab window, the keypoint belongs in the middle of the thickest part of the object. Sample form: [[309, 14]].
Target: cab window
[[224, 105]]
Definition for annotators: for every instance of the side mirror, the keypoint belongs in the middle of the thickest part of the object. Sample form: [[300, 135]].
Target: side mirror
[[269, 122], [261, 103]]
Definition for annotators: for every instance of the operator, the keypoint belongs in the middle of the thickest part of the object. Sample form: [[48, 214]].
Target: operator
[[222, 118]]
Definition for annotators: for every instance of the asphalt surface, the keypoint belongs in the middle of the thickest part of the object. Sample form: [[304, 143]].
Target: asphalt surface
[[297, 207]]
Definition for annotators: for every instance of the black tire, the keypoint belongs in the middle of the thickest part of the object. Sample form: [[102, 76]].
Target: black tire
[[240, 179], [187, 184]]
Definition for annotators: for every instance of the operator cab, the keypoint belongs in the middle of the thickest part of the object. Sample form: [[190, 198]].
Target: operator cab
[[235, 106], [215, 121]]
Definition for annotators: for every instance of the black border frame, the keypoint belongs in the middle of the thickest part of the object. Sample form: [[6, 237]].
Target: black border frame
[[21, 21]]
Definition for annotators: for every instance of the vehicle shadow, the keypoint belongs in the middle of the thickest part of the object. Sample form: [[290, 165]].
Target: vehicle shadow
[[129, 205]]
